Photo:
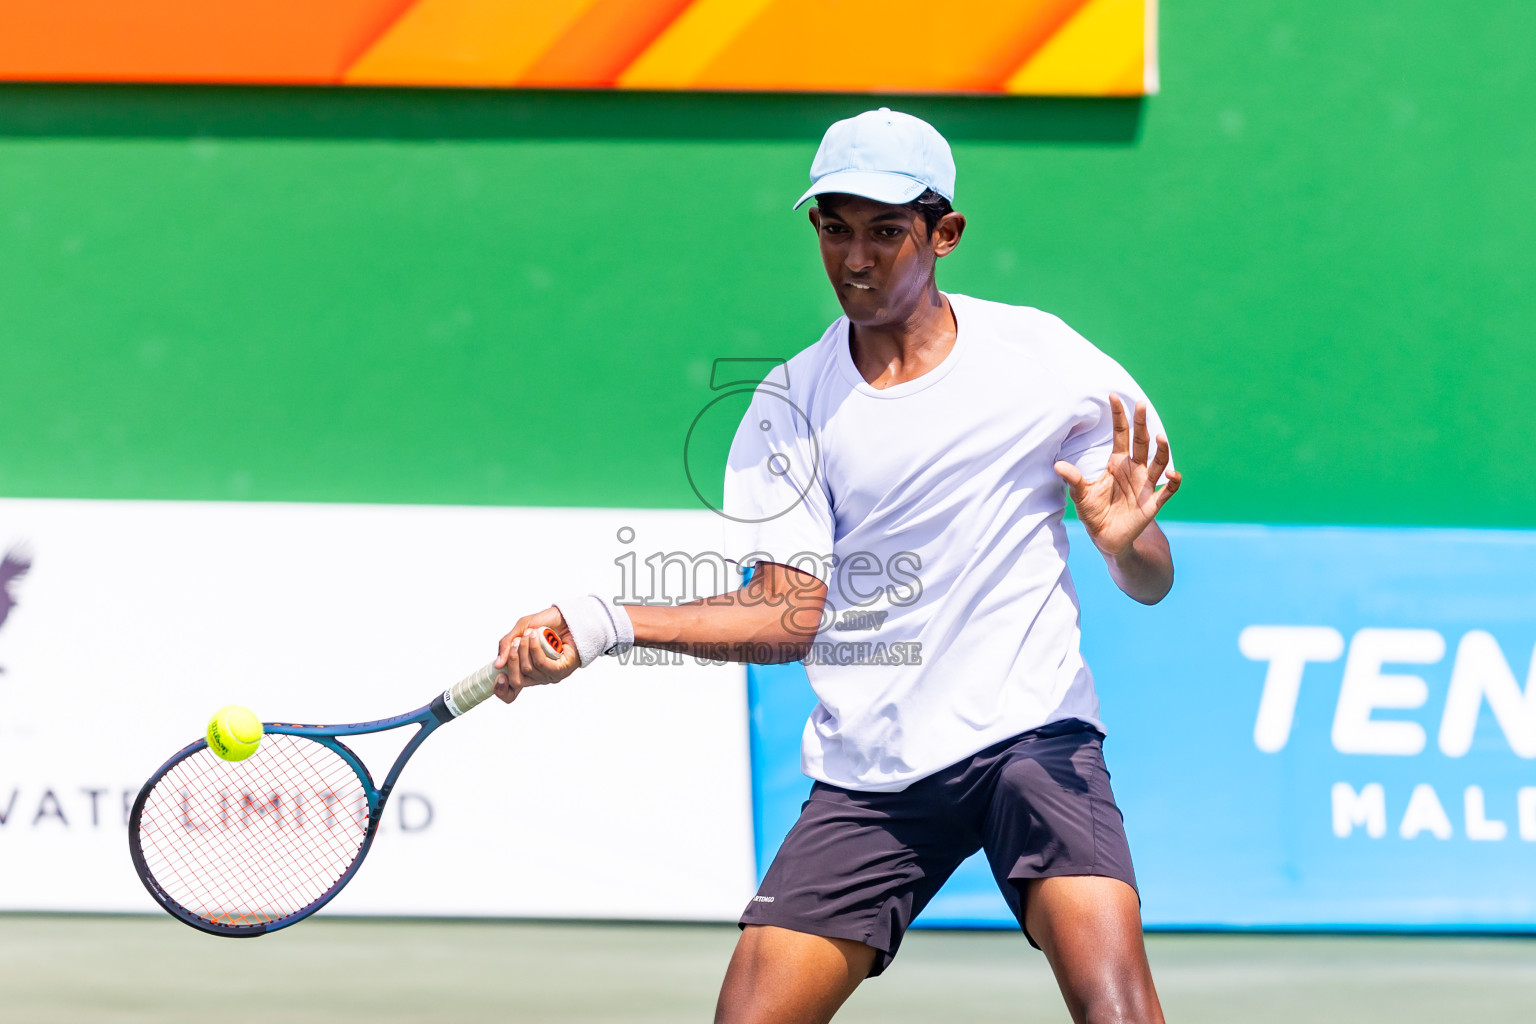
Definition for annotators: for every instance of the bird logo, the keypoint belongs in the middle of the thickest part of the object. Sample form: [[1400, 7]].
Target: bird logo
[[12, 568]]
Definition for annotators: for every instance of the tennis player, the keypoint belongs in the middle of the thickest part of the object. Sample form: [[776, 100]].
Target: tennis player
[[910, 471]]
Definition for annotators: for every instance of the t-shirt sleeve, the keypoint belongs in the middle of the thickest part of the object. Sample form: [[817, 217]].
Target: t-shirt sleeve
[[777, 508], [1091, 437]]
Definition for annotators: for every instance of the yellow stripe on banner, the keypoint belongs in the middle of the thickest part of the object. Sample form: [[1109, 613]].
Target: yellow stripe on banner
[[681, 53], [465, 42], [1100, 52]]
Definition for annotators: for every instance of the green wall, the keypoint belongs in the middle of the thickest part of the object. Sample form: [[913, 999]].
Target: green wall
[[1316, 248]]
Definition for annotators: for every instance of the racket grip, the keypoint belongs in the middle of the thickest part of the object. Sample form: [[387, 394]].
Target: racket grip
[[478, 686], [471, 690]]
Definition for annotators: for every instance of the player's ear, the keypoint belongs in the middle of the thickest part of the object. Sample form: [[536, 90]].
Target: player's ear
[[946, 233], [815, 214]]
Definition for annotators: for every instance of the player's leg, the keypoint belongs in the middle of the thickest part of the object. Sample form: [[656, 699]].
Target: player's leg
[[1090, 929], [833, 906], [778, 976], [1057, 847]]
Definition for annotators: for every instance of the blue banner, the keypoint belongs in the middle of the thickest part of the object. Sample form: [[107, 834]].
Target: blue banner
[[1321, 727]]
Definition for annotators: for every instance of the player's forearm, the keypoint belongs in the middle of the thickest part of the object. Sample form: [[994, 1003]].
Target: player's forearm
[[767, 621], [1144, 571]]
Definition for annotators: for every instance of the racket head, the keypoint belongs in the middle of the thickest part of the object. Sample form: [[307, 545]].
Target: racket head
[[241, 848]]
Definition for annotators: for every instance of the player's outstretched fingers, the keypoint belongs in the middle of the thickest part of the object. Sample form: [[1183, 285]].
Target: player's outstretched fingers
[[1159, 460], [1170, 488], [1139, 435], [1073, 477], [1121, 426]]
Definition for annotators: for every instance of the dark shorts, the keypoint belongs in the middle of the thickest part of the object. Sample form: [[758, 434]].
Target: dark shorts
[[862, 866]]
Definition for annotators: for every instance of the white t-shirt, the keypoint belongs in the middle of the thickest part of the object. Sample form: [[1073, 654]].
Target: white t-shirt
[[932, 512]]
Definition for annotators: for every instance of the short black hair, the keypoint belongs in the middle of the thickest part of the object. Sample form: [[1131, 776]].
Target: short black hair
[[932, 206]]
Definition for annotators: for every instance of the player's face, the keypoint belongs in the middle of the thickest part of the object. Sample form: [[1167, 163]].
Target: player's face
[[878, 257]]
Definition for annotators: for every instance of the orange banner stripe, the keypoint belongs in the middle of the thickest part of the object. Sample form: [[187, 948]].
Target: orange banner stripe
[[282, 41], [690, 43], [603, 42], [1101, 50], [840, 45], [465, 42], [1062, 47]]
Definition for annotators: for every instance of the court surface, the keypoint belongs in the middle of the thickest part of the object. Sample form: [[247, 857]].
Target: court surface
[[94, 969]]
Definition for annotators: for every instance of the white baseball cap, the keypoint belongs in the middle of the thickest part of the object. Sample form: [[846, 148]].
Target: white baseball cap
[[883, 155]]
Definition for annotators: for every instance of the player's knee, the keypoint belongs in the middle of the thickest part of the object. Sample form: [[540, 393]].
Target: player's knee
[[750, 1012], [745, 993], [742, 1002], [736, 1011], [1124, 1001]]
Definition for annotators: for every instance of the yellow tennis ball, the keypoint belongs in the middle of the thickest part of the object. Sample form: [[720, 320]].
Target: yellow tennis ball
[[234, 732]]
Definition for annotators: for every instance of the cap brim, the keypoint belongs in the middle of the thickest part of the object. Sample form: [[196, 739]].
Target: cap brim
[[881, 186]]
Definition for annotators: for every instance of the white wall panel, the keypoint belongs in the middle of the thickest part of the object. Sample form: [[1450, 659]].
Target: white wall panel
[[623, 792]]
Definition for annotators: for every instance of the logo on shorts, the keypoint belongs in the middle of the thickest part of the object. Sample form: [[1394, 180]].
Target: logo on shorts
[[762, 899]]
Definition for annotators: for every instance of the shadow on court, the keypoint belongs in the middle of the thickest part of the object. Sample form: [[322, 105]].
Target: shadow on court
[[140, 969]]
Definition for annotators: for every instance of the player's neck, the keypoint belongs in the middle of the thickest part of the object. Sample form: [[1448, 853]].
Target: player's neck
[[896, 352]]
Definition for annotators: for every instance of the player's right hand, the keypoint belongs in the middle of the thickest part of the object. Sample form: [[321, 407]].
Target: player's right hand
[[521, 660]]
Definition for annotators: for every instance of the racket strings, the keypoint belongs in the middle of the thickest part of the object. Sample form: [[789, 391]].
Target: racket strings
[[248, 842]]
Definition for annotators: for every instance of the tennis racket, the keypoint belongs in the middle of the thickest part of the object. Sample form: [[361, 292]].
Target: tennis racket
[[242, 848]]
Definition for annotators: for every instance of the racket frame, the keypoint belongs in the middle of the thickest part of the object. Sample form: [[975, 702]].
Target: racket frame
[[428, 718]]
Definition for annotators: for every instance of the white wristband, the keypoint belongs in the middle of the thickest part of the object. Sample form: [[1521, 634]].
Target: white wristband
[[597, 627]]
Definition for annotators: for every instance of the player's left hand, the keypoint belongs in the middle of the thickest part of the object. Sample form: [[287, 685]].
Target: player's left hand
[[1117, 507], [521, 660]]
